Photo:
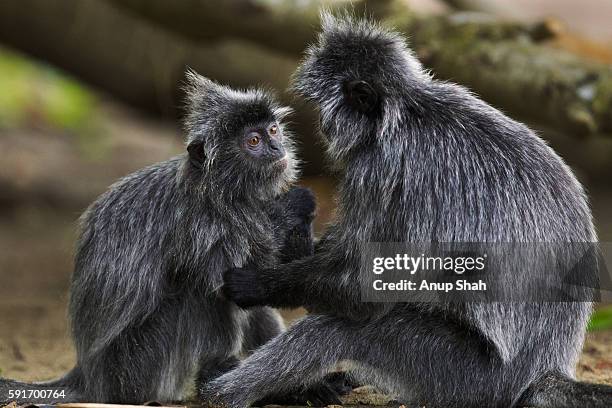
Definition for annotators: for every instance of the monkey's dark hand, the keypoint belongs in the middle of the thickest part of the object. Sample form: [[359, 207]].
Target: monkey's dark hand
[[299, 243], [243, 287], [300, 205]]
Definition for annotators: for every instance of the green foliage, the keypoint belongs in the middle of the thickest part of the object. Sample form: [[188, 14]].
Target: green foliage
[[601, 319], [34, 95], [37, 95]]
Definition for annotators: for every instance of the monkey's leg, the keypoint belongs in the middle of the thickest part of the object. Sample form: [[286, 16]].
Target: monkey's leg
[[262, 374], [417, 357], [146, 362], [555, 390], [211, 368], [263, 324], [131, 370], [120, 373]]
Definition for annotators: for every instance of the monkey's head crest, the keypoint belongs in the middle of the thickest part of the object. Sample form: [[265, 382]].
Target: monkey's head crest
[[357, 73], [236, 141]]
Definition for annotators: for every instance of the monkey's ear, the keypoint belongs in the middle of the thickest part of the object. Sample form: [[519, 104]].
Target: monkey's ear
[[361, 96], [195, 149]]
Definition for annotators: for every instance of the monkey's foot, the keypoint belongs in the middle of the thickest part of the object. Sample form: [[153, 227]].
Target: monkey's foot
[[325, 392], [341, 381], [211, 398], [320, 394]]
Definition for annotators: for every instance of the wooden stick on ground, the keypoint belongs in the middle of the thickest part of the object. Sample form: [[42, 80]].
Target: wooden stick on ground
[[92, 405]]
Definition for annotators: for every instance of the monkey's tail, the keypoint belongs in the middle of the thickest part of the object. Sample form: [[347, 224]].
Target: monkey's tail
[[555, 390], [62, 390]]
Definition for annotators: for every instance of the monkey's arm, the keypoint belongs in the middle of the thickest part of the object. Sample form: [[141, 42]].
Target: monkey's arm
[[322, 283]]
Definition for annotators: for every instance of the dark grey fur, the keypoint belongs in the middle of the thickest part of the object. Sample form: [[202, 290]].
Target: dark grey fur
[[145, 306], [422, 161]]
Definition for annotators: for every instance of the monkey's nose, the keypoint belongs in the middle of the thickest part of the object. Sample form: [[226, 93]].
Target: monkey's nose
[[277, 148]]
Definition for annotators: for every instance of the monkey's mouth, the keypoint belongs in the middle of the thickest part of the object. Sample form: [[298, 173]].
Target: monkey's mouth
[[281, 164]]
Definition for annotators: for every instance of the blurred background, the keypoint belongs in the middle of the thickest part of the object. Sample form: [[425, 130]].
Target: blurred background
[[90, 91]]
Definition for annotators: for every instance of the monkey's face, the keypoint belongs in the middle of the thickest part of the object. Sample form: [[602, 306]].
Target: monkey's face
[[263, 144], [249, 154], [237, 139], [253, 155], [261, 154], [266, 153]]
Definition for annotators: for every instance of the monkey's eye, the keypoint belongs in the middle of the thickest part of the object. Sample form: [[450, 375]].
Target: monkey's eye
[[273, 130], [254, 139]]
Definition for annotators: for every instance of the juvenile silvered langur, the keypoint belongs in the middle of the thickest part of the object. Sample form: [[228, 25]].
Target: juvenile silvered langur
[[145, 307]]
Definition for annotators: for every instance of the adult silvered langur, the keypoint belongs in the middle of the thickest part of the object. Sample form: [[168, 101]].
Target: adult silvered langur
[[422, 161]]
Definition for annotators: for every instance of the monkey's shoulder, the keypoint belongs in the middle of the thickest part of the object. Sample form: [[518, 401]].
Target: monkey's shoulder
[[143, 186], [137, 207]]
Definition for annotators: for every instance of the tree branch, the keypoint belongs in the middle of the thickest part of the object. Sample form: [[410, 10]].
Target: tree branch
[[285, 30], [505, 65], [509, 64], [136, 61], [463, 5], [128, 57]]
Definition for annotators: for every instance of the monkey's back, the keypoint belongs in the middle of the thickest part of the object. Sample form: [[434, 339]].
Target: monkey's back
[[465, 172], [479, 176], [485, 178], [143, 240], [120, 257]]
